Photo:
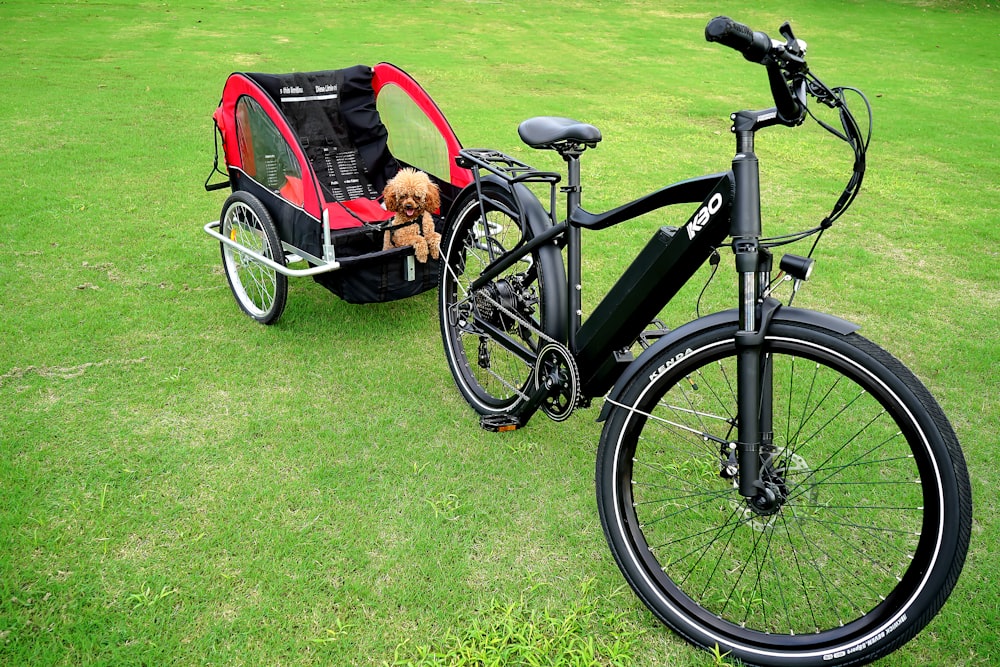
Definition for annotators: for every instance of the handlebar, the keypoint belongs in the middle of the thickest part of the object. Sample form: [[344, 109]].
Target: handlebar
[[785, 62], [754, 45], [791, 84]]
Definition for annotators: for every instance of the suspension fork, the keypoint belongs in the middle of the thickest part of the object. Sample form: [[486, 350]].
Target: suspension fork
[[753, 366], [765, 361]]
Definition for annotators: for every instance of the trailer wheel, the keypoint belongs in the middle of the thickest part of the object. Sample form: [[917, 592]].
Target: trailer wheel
[[260, 290]]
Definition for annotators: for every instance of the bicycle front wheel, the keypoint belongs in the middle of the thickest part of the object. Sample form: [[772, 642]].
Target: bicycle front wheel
[[872, 516], [492, 334]]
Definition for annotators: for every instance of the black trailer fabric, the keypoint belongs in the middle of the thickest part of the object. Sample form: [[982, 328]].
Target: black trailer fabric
[[333, 113]]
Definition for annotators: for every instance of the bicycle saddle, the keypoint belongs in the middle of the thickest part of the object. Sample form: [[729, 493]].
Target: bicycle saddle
[[554, 132]]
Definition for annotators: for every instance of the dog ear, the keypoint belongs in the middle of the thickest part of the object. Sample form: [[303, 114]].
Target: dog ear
[[433, 197], [391, 197]]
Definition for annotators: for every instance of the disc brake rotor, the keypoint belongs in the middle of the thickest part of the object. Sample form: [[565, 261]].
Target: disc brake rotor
[[791, 467]]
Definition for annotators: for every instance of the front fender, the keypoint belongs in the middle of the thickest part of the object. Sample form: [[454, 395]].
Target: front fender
[[726, 317]]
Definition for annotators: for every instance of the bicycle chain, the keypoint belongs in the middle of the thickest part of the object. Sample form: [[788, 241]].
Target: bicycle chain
[[515, 316]]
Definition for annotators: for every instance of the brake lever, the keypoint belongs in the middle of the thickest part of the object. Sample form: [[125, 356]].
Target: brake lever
[[786, 31], [794, 52]]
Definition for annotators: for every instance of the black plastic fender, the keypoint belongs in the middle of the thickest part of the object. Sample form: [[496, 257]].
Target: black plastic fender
[[535, 216], [777, 313]]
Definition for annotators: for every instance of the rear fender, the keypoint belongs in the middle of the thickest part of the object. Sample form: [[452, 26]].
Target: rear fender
[[534, 215], [534, 221], [778, 313]]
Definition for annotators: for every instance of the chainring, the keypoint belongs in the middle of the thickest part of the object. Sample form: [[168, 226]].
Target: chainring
[[556, 369]]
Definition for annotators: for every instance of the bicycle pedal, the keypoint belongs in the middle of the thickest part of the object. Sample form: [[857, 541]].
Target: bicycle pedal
[[499, 423]]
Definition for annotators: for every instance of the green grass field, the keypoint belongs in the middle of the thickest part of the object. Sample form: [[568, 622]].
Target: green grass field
[[180, 485]]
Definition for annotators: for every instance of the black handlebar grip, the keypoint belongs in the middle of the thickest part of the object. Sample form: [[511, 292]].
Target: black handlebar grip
[[753, 44]]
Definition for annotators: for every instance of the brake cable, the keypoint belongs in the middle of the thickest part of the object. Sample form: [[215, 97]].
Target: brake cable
[[852, 135]]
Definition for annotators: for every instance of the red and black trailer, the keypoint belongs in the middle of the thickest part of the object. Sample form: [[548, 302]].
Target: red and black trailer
[[307, 155]]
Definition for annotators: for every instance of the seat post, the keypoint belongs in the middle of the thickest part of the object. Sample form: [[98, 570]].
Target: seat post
[[573, 192], [570, 138]]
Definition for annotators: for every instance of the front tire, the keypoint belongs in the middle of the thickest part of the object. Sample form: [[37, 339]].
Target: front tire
[[873, 519]]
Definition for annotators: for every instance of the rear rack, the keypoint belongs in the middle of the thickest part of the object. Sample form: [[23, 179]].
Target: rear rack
[[506, 167], [511, 170]]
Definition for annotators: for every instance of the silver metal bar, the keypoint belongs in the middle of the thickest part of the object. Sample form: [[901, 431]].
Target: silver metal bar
[[323, 267], [329, 253]]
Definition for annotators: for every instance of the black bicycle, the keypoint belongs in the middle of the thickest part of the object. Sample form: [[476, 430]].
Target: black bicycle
[[771, 484]]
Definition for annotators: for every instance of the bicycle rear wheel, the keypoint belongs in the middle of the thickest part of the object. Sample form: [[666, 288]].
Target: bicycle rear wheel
[[873, 513], [492, 335]]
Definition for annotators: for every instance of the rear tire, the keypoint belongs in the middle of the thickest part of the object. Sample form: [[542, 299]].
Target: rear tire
[[874, 514], [492, 335], [260, 291]]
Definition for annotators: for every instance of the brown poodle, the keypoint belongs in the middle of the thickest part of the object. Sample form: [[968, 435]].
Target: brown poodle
[[411, 195]]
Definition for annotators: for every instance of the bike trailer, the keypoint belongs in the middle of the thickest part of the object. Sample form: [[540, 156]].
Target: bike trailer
[[307, 156]]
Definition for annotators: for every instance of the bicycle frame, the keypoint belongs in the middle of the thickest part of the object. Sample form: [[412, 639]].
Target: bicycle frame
[[660, 270], [729, 207]]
